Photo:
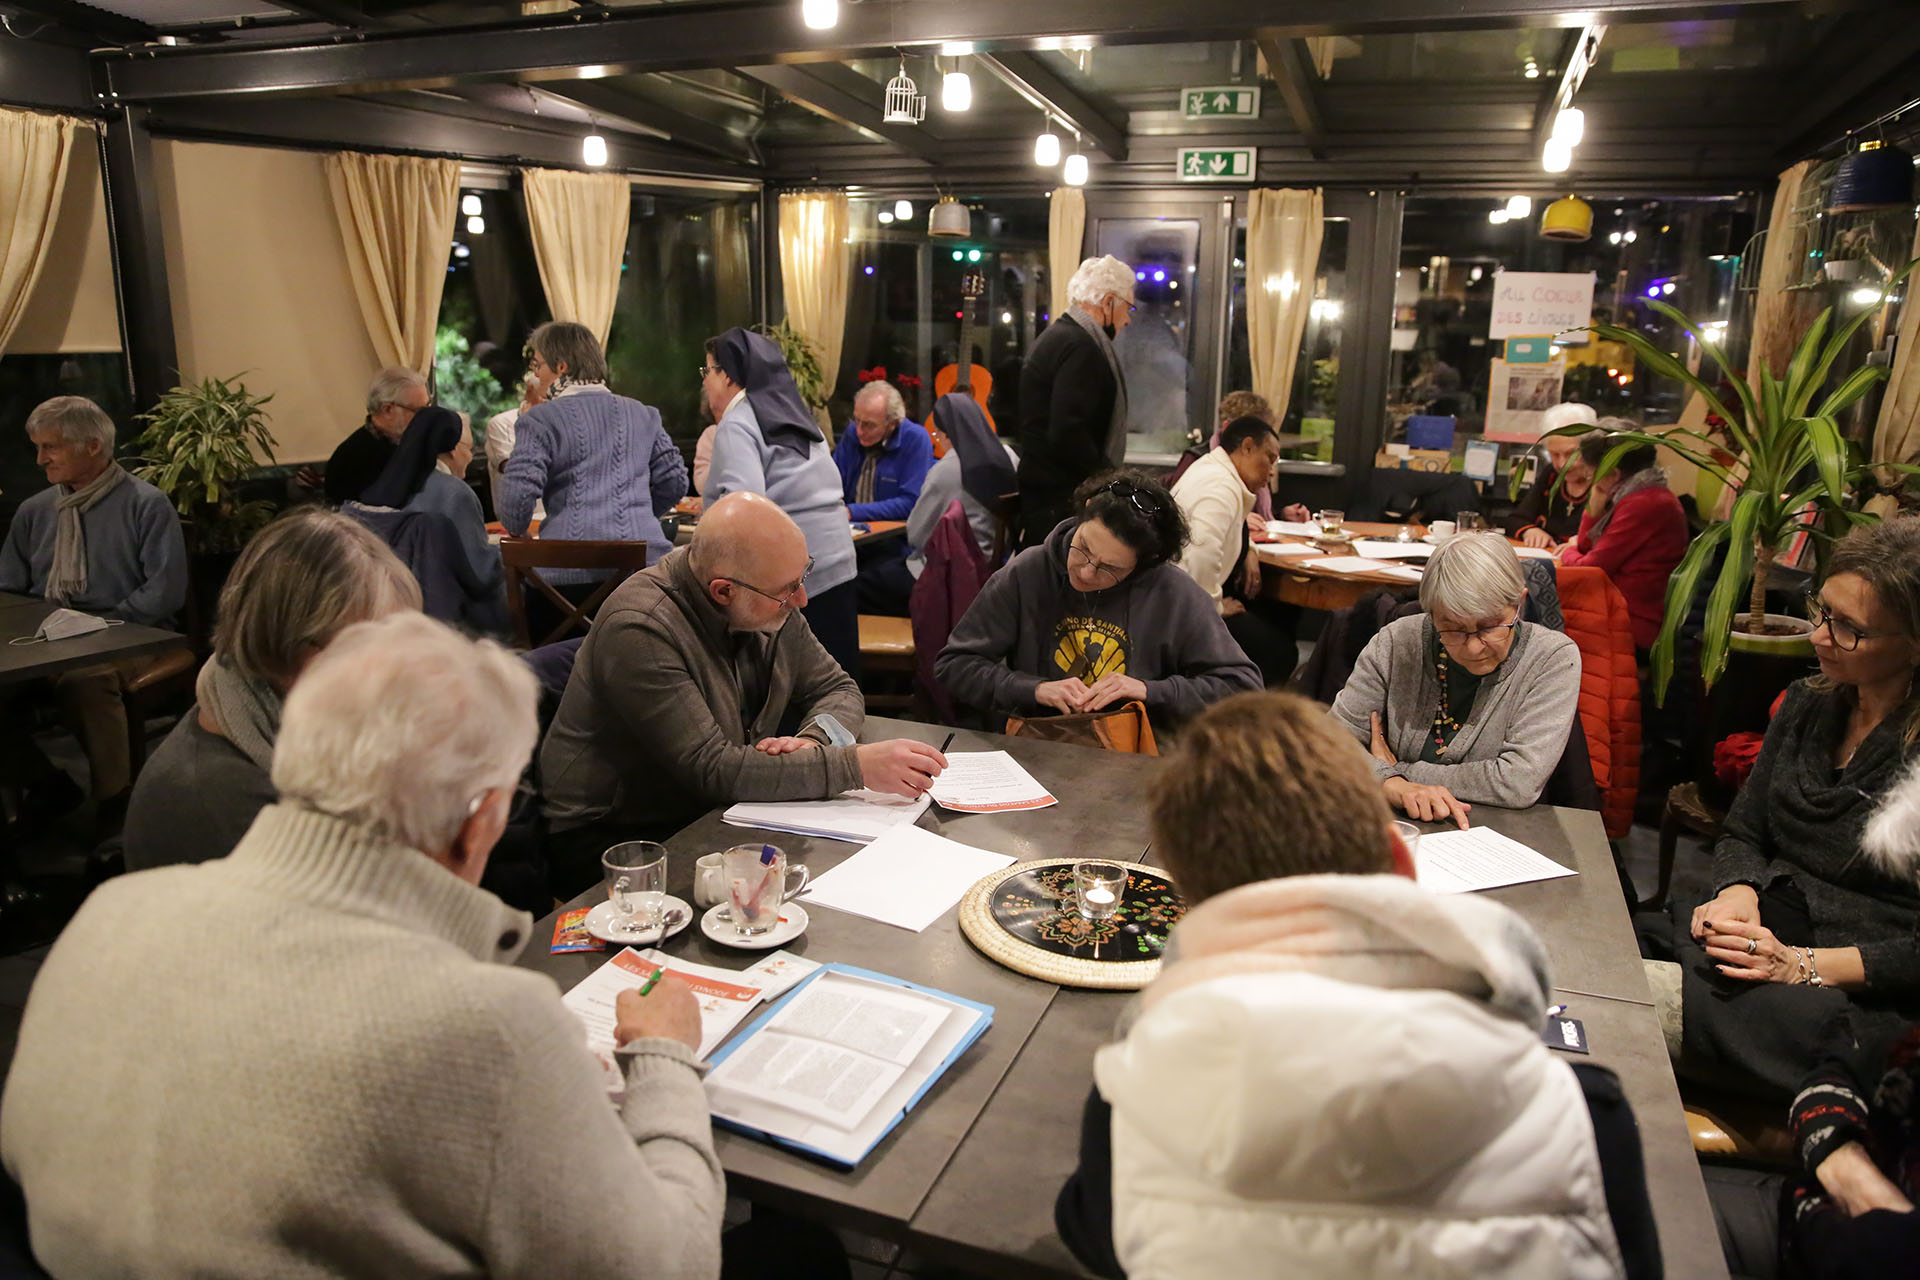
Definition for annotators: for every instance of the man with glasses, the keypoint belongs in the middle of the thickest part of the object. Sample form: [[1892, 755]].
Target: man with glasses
[[1073, 397], [700, 686], [394, 397]]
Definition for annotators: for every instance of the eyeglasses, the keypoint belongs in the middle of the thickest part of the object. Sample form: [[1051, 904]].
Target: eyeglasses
[[1139, 499], [1488, 636], [706, 370], [1108, 573], [1845, 635], [785, 601]]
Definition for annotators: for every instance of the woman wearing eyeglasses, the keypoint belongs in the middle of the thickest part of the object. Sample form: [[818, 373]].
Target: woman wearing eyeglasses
[[1464, 704], [1097, 616], [1803, 924]]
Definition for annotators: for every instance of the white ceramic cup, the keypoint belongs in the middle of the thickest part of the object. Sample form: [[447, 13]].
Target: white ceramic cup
[[1441, 528], [709, 881]]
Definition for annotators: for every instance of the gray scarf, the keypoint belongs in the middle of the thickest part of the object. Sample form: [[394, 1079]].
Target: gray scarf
[[246, 711], [1650, 478], [68, 577], [1117, 428]]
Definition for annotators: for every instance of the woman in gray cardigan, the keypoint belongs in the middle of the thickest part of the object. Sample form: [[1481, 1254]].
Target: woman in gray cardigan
[[1465, 704]]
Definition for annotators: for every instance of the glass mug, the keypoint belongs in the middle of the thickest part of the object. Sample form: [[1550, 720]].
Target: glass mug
[[1098, 888], [756, 877], [636, 875], [1331, 522], [1469, 522]]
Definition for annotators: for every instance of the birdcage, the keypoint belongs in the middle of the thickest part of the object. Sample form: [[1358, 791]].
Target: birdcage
[[905, 103]]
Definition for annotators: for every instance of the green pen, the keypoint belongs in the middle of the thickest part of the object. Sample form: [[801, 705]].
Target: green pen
[[647, 986]]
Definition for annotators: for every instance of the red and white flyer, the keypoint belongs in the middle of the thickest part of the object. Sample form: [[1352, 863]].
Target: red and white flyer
[[726, 997], [987, 782]]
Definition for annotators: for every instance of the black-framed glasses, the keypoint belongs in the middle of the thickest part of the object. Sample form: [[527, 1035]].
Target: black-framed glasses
[[1108, 573], [1488, 636], [1845, 635], [706, 369], [785, 601], [1139, 499]]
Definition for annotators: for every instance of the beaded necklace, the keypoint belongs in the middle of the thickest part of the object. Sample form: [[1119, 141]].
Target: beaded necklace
[[1444, 723]]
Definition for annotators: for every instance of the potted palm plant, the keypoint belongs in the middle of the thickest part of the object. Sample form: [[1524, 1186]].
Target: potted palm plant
[[1793, 472]]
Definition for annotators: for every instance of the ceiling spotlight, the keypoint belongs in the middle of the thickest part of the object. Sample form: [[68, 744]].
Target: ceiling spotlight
[[1075, 171], [886, 217], [593, 150], [1519, 207], [1614, 238], [1533, 70], [1631, 236], [820, 14], [1497, 216], [1557, 156], [1667, 288], [1046, 149], [470, 204], [476, 225], [903, 210], [973, 255], [956, 91], [1570, 126]]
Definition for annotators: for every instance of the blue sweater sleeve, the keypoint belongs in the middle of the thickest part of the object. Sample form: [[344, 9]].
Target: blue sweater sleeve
[[667, 472], [524, 479], [163, 566], [737, 464]]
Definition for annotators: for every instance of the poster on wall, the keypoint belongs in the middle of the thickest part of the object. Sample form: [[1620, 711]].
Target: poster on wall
[[1530, 303], [1518, 397]]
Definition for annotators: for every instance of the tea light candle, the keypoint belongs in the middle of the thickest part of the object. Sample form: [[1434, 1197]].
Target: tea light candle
[[1098, 897]]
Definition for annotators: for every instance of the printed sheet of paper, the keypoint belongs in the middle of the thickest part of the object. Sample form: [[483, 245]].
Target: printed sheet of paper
[[1360, 564], [1285, 550], [726, 997], [1533, 553], [908, 877], [1479, 858], [1295, 528], [854, 816], [1387, 549], [778, 973], [987, 782]]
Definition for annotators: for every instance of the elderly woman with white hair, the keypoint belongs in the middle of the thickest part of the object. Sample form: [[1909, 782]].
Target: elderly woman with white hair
[[301, 581], [315, 1056], [1464, 704], [1073, 397]]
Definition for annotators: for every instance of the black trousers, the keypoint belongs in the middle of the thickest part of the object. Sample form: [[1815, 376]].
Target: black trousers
[[834, 616], [885, 587], [1265, 632]]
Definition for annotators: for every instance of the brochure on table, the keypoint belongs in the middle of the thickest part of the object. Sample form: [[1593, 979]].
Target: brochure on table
[[987, 782], [1479, 858], [726, 996], [839, 1061], [854, 816]]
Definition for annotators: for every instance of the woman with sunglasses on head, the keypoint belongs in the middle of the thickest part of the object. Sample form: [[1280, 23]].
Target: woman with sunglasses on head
[[1096, 616], [1464, 703], [1803, 925]]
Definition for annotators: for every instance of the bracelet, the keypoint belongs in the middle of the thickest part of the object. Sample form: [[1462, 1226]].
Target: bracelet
[[1805, 971], [1813, 970]]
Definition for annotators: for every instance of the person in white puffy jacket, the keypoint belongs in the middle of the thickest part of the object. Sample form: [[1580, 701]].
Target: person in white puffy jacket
[[1338, 1073]]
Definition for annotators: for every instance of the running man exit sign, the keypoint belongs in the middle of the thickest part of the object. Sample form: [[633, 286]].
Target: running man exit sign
[[1221, 102], [1218, 164]]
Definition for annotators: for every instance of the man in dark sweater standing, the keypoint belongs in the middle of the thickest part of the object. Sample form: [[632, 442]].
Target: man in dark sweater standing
[[1073, 397], [395, 396]]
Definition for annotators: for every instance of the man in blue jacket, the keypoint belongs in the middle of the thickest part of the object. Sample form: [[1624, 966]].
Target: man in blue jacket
[[883, 458]]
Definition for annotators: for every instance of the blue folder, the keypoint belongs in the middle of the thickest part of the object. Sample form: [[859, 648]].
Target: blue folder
[[981, 1023]]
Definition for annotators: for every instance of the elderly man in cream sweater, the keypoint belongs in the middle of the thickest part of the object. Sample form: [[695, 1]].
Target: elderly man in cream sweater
[[314, 1057], [1216, 494]]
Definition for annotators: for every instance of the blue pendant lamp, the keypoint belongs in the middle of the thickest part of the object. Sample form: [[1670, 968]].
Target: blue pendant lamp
[[1877, 176]]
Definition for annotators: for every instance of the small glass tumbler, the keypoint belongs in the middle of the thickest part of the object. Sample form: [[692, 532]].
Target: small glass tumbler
[[1098, 888], [636, 876], [1331, 522], [1410, 837]]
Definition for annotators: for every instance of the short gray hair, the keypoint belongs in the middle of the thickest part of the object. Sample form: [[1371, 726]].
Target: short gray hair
[[389, 385], [561, 342], [76, 418], [1472, 575], [401, 724], [1096, 278], [896, 407], [301, 581]]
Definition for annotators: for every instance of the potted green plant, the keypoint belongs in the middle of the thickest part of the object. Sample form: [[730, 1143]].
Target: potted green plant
[[202, 439], [1794, 472], [803, 362]]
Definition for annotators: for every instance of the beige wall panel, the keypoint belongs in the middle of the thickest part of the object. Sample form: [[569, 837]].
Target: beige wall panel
[[73, 307], [258, 277]]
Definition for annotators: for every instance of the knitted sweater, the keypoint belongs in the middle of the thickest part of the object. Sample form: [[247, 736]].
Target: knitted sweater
[[605, 467], [315, 1058], [195, 799], [136, 554]]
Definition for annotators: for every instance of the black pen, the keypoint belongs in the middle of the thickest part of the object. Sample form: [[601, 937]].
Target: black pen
[[946, 744]]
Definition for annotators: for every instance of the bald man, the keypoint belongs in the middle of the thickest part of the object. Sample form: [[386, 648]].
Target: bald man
[[701, 685]]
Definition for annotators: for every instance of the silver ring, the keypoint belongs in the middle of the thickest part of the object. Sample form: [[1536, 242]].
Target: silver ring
[[1753, 945]]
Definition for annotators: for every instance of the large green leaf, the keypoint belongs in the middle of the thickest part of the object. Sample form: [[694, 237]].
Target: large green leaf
[[1829, 450], [1730, 589], [1858, 383], [1663, 363], [1681, 589], [1802, 366], [1737, 427], [1838, 344]]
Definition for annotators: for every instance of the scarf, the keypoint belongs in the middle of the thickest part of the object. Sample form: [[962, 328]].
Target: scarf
[[67, 579], [986, 473], [1648, 478], [753, 361], [432, 432], [567, 384], [246, 711], [1117, 426]]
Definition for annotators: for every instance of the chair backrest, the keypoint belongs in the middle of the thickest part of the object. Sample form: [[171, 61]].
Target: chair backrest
[[945, 590], [1006, 526], [523, 558], [1122, 728]]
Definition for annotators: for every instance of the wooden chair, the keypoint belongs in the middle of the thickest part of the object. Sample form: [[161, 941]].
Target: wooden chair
[[1686, 809], [1006, 519], [523, 558], [886, 649], [1737, 1128]]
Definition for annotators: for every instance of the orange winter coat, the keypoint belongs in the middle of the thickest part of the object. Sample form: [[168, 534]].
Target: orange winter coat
[[1597, 620]]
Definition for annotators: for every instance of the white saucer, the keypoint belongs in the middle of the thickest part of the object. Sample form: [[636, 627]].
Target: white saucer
[[793, 923], [601, 924], [1434, 539]]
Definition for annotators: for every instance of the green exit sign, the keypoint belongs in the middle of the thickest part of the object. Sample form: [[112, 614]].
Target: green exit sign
[[1218, 164], [1214, 102]]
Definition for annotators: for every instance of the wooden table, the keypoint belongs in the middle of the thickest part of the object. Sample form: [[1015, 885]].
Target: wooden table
[[20, 617], [1288, 580], [877, 531]]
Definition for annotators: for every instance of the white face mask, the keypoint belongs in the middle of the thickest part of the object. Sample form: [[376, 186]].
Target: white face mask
[[64, 624]]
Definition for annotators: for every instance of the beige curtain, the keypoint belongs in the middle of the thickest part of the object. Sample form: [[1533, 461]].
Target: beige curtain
[[815, 264], [1897, 436], [579, 224], [1066, 233], [1283, 257], [1780, 317], [396, 218], [34, 150]]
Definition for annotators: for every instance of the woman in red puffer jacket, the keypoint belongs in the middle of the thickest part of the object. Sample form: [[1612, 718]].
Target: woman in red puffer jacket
[[1634, 530]]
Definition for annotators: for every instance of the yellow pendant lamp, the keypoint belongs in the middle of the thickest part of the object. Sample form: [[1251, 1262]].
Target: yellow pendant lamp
[[1568, 218]]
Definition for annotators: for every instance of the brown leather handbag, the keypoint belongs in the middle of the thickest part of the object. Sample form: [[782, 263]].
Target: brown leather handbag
[[1121, 728]]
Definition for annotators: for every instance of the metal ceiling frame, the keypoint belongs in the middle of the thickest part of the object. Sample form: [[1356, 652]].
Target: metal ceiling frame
[[1293, 75], [827, 94], [1028, 75], [605, 102]]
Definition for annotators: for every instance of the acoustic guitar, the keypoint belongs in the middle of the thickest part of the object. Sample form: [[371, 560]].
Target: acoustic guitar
[[964, 376]]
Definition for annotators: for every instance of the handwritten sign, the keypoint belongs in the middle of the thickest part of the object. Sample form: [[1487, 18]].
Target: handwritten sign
[[1528, 303]]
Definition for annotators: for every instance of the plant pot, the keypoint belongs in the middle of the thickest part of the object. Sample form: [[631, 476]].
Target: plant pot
[[1759, 668], [1798, 644], [1846, 270]]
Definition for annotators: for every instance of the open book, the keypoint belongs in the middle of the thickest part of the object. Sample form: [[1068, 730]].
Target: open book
[[835, 1065]]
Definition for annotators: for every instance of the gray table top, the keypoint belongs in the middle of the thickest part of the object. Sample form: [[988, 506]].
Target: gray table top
[[20, 617]]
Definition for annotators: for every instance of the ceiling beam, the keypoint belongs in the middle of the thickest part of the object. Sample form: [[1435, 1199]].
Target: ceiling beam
[[605, 102], [1292, 73], [1028, 75], [1576, 59], [858, 110], [99, 24], [671, 37]]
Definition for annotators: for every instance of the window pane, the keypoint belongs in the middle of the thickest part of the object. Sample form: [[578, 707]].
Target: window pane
[[492, 301], [1316, 375], [1156, 349]]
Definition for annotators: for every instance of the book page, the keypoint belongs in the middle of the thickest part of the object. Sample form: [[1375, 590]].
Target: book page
[[886, 1021], [987, 782], [908, 877], [820, 1080], [1479, 858]]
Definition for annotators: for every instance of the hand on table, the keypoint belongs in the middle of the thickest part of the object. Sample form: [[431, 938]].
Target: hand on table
[[1065, 696], [1856, 1183], [899, 766], [1296, 513], [1108, 690], [1736, 904], [783, 746], [1381, 751], [670, 1011], [1431, 803], [1535, 536]]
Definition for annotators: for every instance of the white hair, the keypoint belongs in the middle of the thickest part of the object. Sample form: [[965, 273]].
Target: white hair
[[76, 418], [1472, 575], [1892, 837], [1098, 277], [389, 385], [400, 725], [896, 407]]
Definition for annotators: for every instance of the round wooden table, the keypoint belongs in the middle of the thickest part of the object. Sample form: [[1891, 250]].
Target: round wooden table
[[1297, 581]]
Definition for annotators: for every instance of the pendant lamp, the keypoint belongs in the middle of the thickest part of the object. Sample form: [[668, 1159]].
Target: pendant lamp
[[1877, 176], [1568, 218]]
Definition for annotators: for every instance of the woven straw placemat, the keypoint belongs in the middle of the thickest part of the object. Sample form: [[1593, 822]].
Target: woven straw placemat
[[1138, 929]]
